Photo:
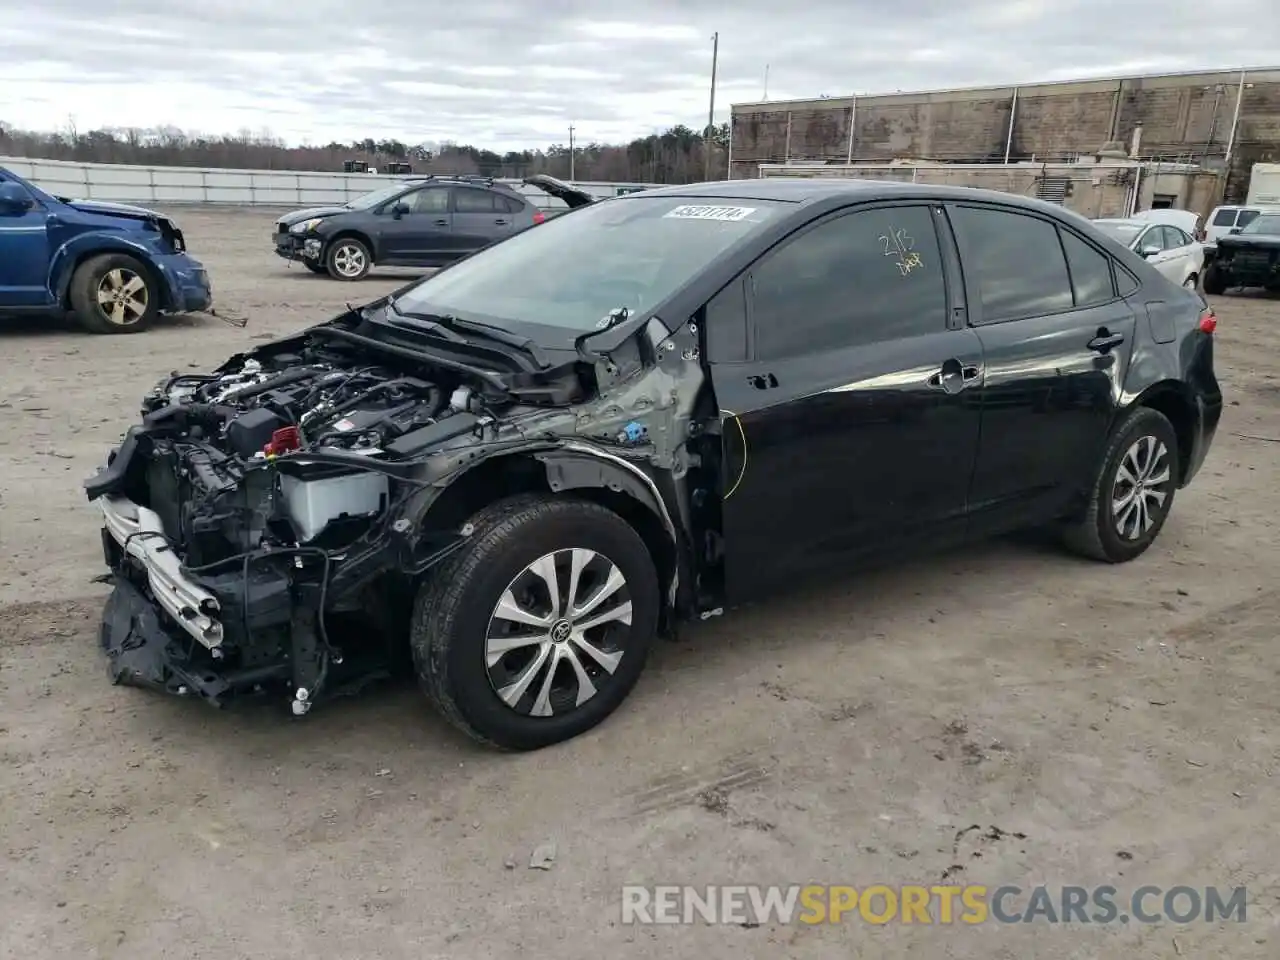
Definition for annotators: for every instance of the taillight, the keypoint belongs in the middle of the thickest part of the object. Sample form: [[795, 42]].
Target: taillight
[[1208, 321], [539, 217]]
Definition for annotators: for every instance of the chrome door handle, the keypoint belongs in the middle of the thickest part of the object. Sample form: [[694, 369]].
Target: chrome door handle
[[954, 376], [1105, 341]]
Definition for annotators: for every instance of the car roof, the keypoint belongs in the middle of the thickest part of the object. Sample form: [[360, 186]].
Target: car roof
[[814, 189]]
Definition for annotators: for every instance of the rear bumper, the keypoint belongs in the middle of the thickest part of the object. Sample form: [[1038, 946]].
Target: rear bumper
[[1209, 412]]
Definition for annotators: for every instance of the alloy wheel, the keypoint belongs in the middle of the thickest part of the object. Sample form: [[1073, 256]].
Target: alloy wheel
[[1141, 487], [349, 260], [558, 632], [123, 296]]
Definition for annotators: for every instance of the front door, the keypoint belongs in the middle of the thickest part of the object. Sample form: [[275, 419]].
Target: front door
[[480, 217], [421, 233], [849, 428], [1057, 339], [24, 254]]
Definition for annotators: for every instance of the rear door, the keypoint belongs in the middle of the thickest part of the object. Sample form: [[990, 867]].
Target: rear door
[[421, 233], [24, 254], [480, 217], [1183, 255], [849, 425], [1057, 338]]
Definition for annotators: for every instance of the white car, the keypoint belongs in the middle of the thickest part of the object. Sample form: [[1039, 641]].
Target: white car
[[1169, 249], [1190, 223]]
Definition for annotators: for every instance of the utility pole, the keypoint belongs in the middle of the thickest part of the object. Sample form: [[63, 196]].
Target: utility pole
[[571, 152], [711, 112], [766, 82]]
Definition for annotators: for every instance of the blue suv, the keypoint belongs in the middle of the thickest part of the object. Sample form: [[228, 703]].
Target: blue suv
[[115, 267]]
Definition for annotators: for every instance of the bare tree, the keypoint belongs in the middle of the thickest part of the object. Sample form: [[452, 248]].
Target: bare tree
[[674, 156]]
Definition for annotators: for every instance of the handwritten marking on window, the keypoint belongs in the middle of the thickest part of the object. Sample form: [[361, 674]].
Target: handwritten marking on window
[[901, 246]]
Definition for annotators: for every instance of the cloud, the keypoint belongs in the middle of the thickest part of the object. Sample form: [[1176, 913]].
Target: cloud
[[508, 75]]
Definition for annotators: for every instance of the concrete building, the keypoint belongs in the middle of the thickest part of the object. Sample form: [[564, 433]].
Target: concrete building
[[1223, 120], [1105, 187]]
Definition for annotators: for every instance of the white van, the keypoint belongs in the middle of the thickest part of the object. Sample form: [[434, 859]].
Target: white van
[[1225, 219]]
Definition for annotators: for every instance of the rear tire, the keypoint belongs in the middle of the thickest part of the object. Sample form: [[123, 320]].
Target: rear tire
[[114, 293], [348, 259], [470, 618], [1133, 492], [1214, 282]]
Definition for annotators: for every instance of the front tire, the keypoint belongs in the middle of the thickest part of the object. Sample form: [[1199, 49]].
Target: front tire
[[1192, 281], [348, 259], [1214, 281], [538, 628], [114, 293], [1133, 492], [315, 267]]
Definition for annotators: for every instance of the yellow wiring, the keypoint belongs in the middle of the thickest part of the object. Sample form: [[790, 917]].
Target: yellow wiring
[[743, 471]]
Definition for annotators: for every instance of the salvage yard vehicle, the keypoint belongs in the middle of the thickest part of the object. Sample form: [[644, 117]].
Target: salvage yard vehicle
[[1170, 249], [427, 222], [647, 411], [1249, 256], [115, 267]]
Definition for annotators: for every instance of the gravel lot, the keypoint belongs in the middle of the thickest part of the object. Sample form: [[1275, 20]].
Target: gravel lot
[[1115, 725]]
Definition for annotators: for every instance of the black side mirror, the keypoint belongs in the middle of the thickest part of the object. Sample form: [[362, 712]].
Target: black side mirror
[[1235, 229], [399, 210], [14, 200]]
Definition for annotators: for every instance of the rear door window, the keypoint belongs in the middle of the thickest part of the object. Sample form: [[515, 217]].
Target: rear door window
[[1247, 217], [470, 200], [1017, 261], [1090, 271]]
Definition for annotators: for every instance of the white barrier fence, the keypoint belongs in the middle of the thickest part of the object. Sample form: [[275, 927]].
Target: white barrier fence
[[126, 183]]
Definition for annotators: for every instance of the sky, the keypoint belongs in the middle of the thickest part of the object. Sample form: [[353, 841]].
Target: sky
[[507, 75]]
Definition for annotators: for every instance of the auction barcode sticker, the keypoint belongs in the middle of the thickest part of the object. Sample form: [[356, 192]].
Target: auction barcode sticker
[[703, 212]]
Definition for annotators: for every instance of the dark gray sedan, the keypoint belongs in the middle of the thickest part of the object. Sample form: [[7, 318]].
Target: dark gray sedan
[[423, 222]]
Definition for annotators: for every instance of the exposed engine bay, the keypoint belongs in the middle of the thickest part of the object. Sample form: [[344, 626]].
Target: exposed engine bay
[[265, 522]]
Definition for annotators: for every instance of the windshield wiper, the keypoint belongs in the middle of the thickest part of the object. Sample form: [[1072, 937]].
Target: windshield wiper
[[448, 323]]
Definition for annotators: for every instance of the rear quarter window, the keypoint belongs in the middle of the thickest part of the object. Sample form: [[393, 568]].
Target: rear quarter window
[[1224, 218]]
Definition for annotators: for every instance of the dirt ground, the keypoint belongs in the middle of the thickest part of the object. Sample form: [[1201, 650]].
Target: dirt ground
[[1114, 725]]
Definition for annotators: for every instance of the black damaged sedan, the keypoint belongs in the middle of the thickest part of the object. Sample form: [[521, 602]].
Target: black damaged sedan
[[514, 474]]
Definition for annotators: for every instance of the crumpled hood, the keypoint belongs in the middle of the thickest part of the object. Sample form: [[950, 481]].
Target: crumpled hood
[[297, 216], [107, 209]]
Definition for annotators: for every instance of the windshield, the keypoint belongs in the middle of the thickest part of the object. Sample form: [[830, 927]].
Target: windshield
[[572, 271], [371, 200], [1267, 223], [1120, 229]]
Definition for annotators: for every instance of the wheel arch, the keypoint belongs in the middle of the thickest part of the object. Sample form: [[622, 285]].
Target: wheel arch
[[71, 257], [571, 470], [351, 233], [1173, 399]]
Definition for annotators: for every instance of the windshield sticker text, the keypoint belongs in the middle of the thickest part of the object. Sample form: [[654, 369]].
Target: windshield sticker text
[[901, 246], [696, 212]]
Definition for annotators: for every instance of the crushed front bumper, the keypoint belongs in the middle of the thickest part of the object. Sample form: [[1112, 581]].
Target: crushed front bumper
[[139, 533], [292, 246], [141, 652]]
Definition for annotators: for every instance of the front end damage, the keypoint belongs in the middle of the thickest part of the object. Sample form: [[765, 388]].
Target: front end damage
[[266, 525]]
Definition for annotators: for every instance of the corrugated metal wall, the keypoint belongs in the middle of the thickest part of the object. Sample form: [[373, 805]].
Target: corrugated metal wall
[[163, 185]]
